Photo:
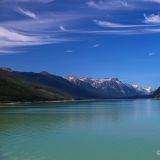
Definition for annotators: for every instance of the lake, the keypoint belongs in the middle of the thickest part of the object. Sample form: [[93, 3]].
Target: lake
[[95, 130]]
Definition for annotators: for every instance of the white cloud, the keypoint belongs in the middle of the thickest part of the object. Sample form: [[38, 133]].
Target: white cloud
[[20, 33], [46, 22], [115, 32], [115, 25], [96, 45], [153, 1], [49, 27], [5, 52], [69, 51], [27, 13], [62, 28], [108, 24], [11, 39], [30, 1], [10, 35], [109, 5], [153, 18]]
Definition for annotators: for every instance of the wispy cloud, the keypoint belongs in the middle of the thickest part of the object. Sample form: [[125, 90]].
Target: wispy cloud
[[47, 29], [29, 1], [108, 5], [125, 5], [47, 26], [115, 32], [69, 51], [96, 45], [27, 13], [62, 28], [108, 24], [153, 18], [8, 52], [153, 1], [125, 32], [12, 36], [116, 25], [13, 39]]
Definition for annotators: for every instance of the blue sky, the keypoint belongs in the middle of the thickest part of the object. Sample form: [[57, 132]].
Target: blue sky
[[92, 38]]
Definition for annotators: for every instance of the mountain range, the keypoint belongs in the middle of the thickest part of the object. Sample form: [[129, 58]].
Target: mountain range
[[29, 86], [110, 87]]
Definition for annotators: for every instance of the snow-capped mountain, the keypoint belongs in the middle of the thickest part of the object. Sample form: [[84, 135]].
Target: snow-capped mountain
[[146, 90], [110, 87]]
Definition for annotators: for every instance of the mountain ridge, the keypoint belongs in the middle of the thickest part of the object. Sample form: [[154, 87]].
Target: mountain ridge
[[44, 86], [111, 83]]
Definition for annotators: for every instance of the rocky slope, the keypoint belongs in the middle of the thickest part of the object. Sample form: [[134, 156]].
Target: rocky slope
[[110, 87]]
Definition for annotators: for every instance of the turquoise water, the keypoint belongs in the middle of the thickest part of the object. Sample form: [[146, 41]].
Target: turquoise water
[[103, 130]]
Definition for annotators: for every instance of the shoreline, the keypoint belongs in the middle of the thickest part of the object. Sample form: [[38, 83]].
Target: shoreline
[[42, 102], [9, 104]]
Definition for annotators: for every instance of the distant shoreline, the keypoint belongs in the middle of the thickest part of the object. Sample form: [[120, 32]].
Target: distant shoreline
[[9, 104], [41, 102]]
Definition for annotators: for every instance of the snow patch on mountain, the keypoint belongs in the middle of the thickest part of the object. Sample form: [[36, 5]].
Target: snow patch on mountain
[[112, 86], [147, 90]]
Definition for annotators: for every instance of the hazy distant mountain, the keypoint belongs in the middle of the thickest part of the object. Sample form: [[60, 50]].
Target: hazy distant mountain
[[142, 90], [156, 94], [110, 87]]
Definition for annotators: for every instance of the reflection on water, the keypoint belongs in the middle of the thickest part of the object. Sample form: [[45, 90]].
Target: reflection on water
[[112, 129]]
